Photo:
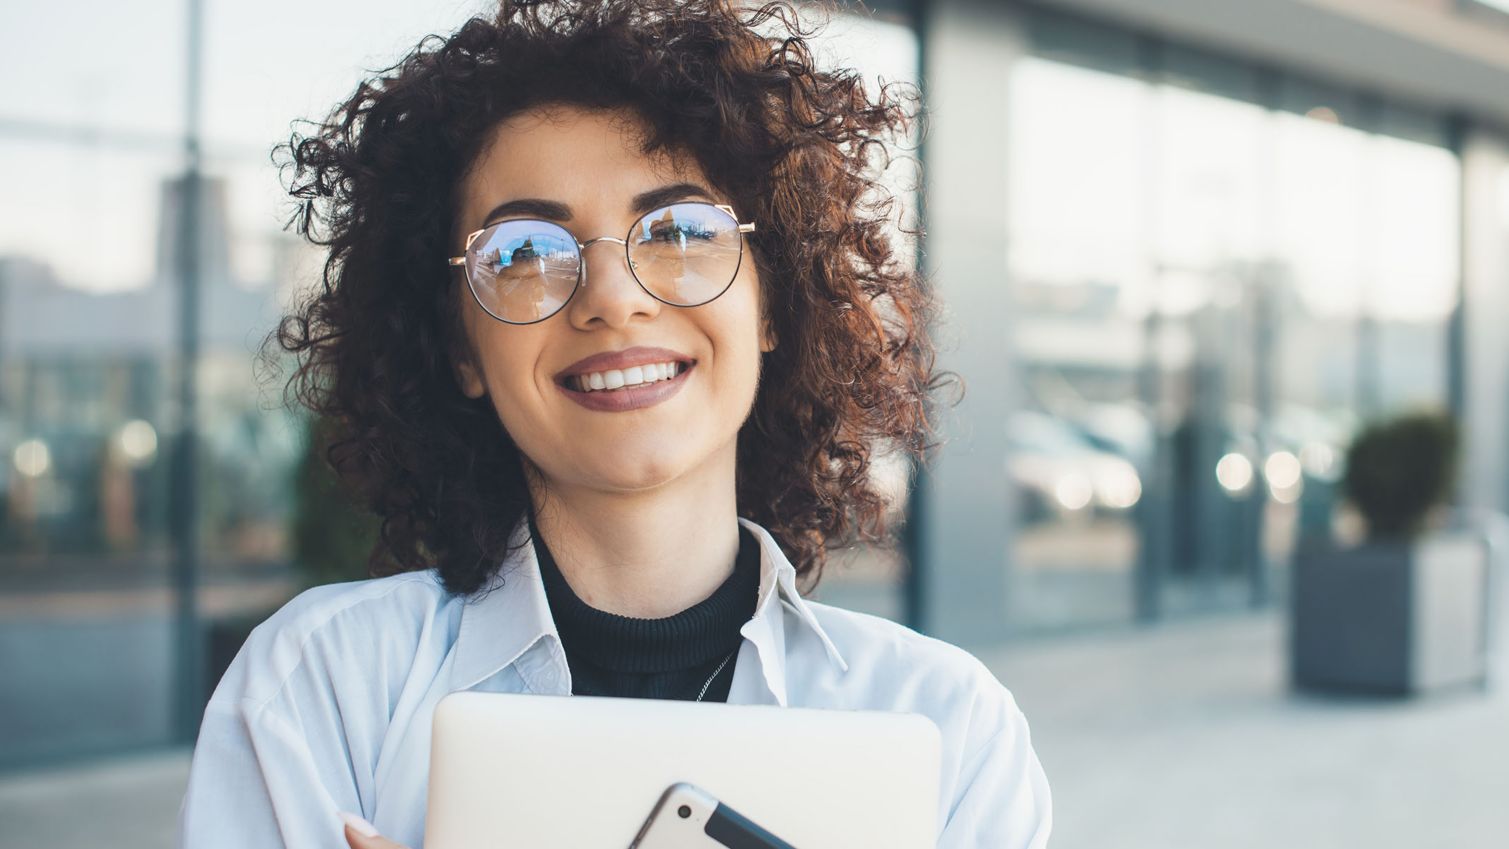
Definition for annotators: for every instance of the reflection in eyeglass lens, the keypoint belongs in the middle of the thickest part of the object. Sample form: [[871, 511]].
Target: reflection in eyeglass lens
[[686, 253], [522, 275]]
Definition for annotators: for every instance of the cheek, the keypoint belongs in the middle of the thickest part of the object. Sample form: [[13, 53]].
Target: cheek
[[509, 363], [737, 337]]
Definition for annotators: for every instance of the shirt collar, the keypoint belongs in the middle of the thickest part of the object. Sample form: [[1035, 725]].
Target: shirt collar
[[511, 614]]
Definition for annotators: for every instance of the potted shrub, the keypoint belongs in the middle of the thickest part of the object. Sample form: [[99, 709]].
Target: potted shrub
[[1404, 611]]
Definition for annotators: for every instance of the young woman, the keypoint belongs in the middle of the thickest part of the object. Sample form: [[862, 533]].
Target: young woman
[[610, 328]]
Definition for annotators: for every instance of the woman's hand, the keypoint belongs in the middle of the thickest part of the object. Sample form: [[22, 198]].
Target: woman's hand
[[361, 834]]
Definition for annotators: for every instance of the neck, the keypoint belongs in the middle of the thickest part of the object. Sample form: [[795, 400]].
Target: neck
[[647, 554]]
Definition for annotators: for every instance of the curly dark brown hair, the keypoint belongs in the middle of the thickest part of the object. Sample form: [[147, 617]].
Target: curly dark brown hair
[[800, 148]]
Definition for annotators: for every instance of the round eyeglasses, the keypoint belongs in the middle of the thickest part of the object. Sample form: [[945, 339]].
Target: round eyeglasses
[[524, 270]]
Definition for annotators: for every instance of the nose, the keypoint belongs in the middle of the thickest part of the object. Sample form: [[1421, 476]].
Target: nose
[[609, 292]]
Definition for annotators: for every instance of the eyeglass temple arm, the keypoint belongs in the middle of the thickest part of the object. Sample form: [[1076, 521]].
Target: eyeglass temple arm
[[743, 228], [461, 260]]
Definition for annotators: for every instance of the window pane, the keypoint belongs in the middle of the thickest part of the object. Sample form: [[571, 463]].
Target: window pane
[[1413, 282], [85, 318], [1078, 447]]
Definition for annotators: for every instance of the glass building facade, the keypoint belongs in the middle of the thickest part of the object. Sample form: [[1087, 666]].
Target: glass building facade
[[1216, 271]]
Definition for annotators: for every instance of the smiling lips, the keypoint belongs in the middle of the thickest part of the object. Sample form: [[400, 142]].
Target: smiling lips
[[611, 379], [631, 379]]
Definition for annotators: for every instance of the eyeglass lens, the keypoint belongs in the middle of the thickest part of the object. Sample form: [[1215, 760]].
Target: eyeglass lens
[[522, 271]]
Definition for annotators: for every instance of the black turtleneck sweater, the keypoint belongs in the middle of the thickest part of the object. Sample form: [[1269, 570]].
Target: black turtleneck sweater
[[669, 658]]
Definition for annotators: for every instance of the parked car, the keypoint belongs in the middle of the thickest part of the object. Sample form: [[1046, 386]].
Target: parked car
[[1059, 474]]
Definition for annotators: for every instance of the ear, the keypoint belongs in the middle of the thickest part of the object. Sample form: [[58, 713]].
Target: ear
[[469, 378], [767, 335], [463, 357]]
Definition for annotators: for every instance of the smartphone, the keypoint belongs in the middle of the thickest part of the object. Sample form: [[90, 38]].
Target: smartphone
[[688, 817]]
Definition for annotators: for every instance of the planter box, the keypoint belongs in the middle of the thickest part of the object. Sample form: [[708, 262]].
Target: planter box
[[1390, 617]]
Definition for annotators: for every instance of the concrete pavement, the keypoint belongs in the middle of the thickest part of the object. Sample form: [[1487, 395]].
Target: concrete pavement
[[1186, 736]]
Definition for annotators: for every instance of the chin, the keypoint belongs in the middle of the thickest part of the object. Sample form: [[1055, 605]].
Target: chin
[[640, 461], [643, 469], [637, 480]]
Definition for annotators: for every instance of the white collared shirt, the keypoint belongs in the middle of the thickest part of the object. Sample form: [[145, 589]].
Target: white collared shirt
[[327, 707]]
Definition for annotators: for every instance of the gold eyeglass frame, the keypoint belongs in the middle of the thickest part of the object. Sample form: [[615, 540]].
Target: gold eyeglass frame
[[581, 256]]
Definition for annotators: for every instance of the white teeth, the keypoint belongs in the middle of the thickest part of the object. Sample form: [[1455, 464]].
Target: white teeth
[[632, 376]]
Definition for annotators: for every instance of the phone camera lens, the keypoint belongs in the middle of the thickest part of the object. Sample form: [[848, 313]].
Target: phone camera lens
[[684, 811]]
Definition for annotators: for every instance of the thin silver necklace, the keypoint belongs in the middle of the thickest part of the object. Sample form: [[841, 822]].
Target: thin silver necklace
[[712, 677], [709, 682]]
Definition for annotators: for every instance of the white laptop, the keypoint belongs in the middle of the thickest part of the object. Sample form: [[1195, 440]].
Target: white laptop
[[517, 770]]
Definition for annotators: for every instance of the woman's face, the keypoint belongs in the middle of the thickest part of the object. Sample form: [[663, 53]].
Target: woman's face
[[583, 170]]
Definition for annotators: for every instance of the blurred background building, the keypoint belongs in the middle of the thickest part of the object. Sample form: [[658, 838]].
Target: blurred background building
[[1186, 248]]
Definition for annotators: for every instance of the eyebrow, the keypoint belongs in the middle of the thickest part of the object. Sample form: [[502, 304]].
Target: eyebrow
[[557, 211]]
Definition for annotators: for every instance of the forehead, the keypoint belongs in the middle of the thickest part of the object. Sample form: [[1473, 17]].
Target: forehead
[[590, 160]]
